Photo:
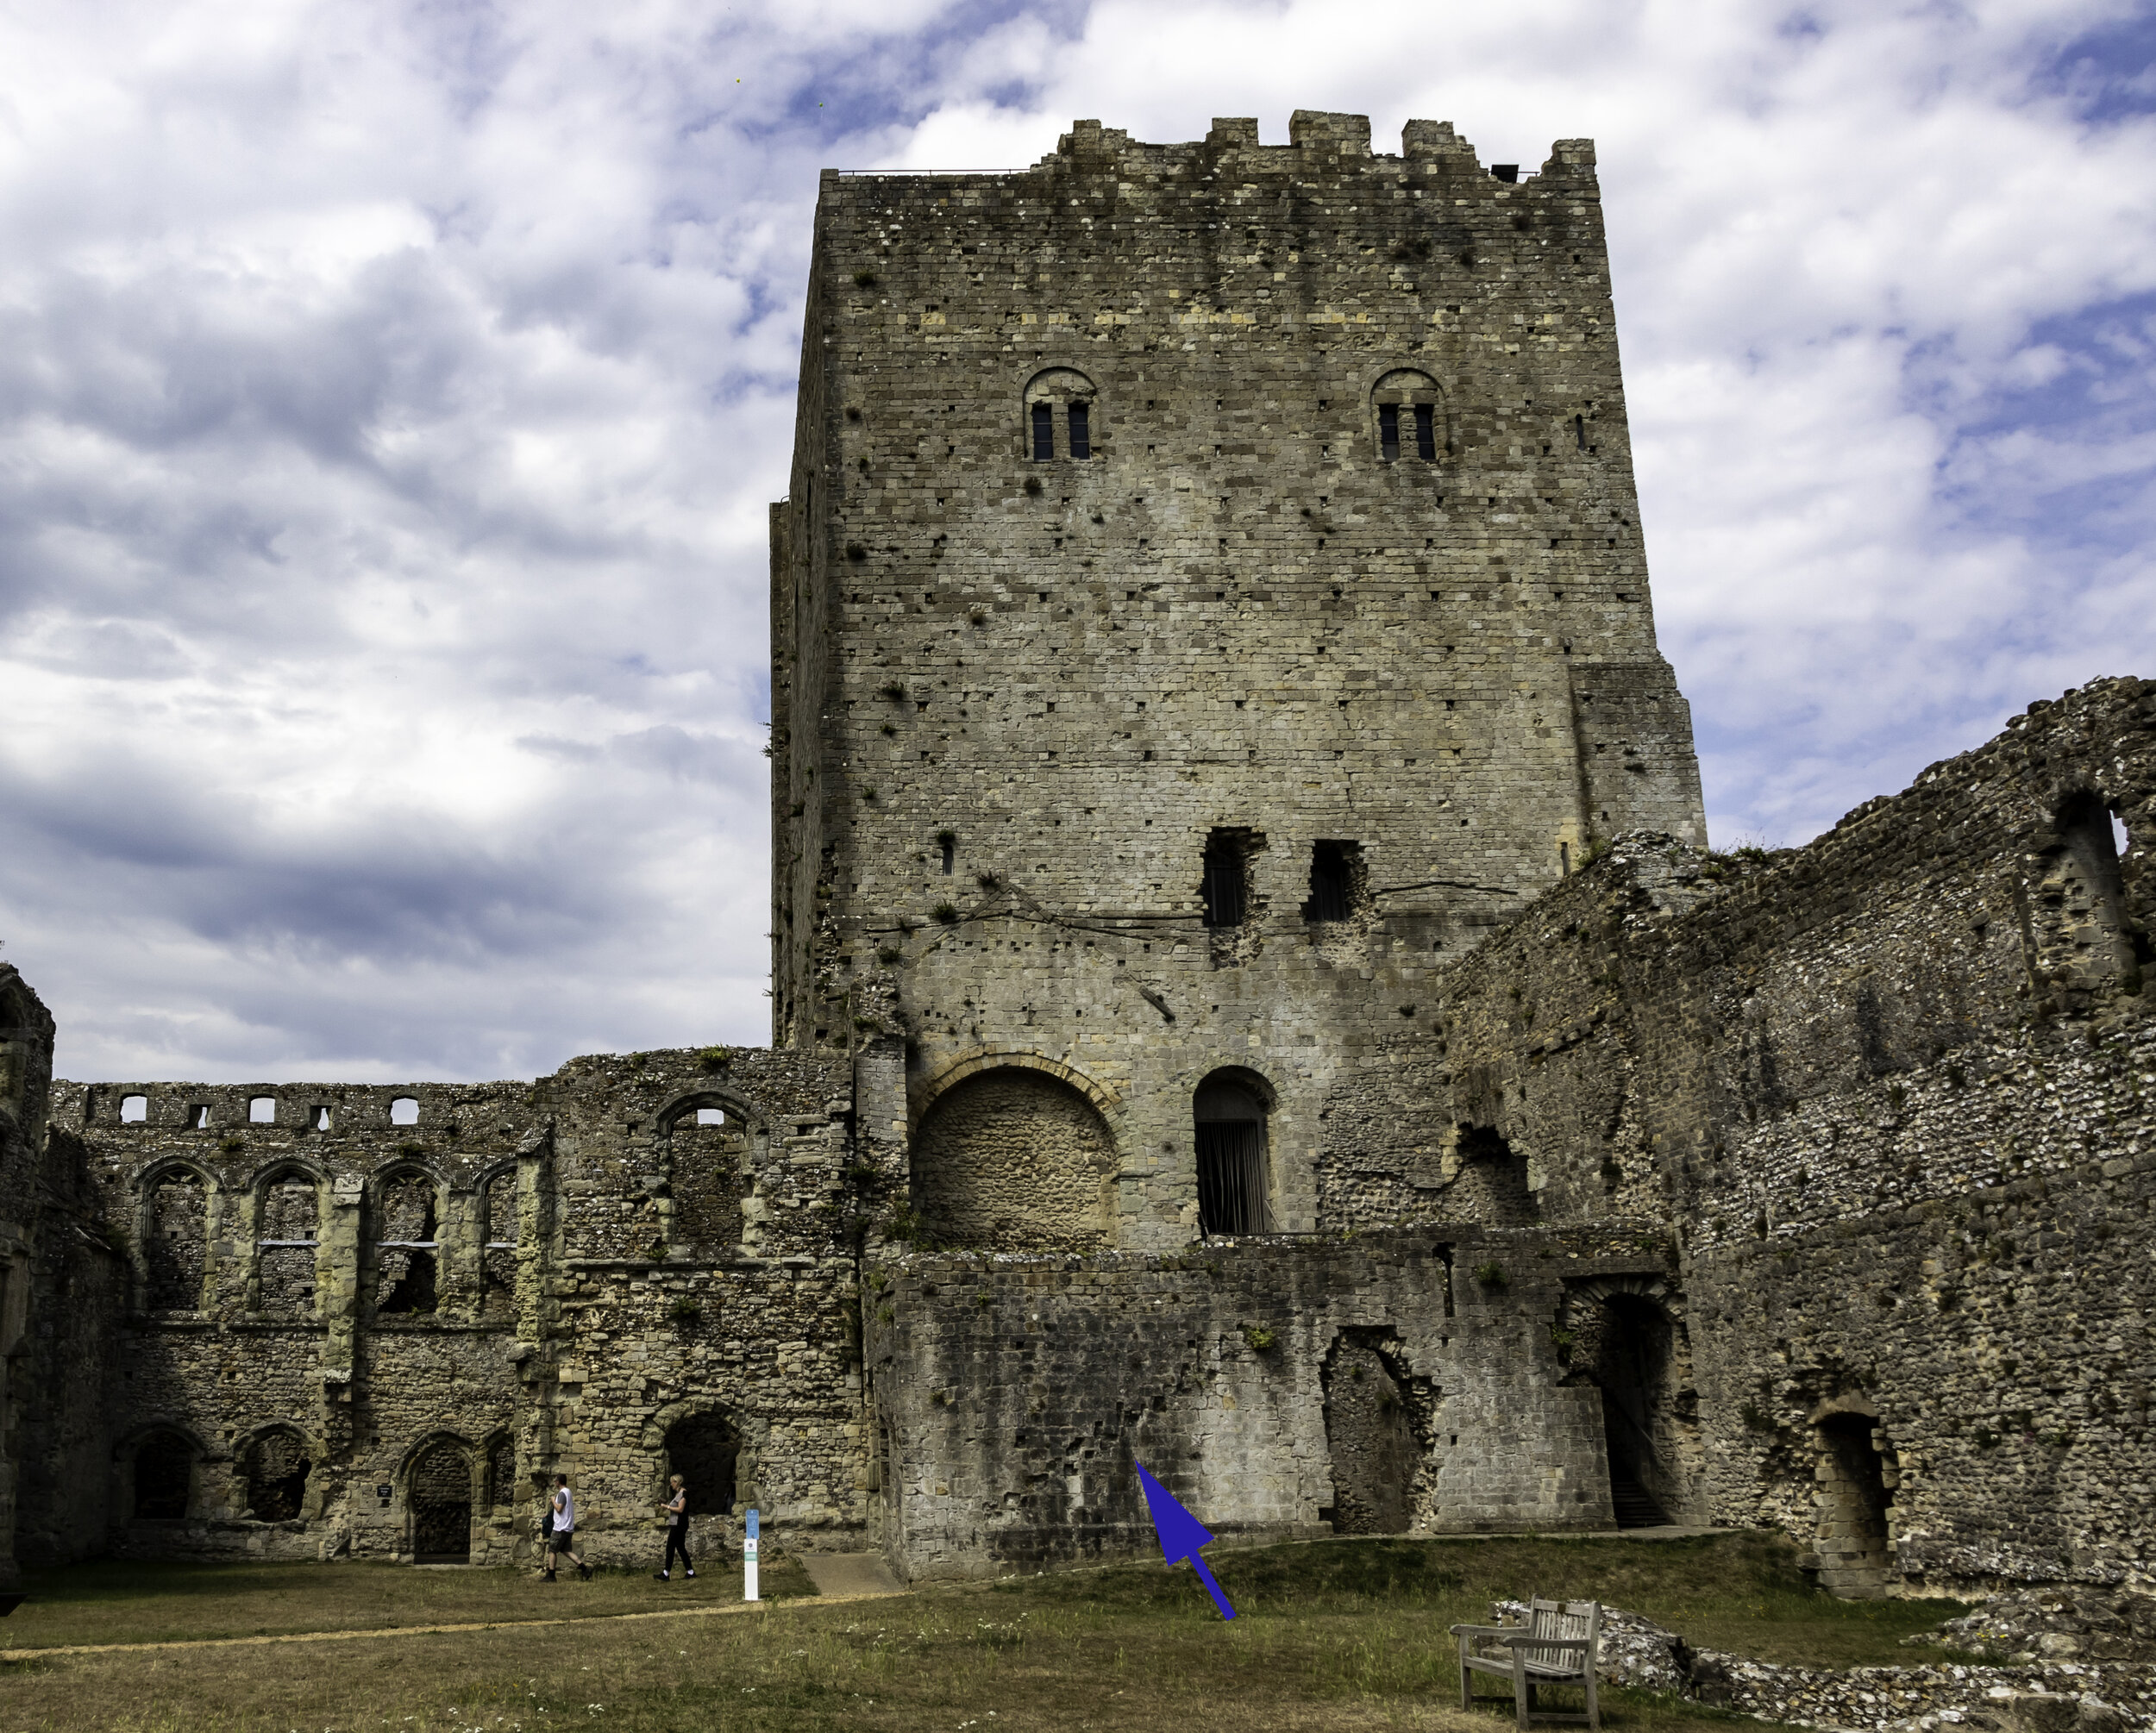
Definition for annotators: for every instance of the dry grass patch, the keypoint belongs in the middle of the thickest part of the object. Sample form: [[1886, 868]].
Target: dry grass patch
[[1346, 1634]]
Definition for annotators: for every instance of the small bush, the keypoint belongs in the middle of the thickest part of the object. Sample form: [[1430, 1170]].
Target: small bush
[[232, 1143], [864, 279], [856, 552], [947, 839], [1754, 1419], [1490, 1275], [988, 881], [886, 954], [715, 1058], [893, 690], [685, 1309], [946, 913], [1258, 1336]]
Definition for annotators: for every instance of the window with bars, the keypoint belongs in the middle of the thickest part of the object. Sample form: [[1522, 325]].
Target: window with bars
[[1337, 889], [1227, 879], [1234, 1178], [1406, 402], [1064, 395]]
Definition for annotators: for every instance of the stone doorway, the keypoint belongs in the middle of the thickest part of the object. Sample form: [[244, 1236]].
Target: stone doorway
[[1370, 1416], [440, 1488], [1853, 1538], [1625, 1335]]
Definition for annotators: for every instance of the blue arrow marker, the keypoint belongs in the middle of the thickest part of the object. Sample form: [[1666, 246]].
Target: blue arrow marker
[[1180, 1535]]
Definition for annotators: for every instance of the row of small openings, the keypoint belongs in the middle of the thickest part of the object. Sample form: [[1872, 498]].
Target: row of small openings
[[262, 1110], [1337, 887]]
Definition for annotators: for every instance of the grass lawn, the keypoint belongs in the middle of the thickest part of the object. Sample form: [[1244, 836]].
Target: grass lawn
[[1336, 1635]]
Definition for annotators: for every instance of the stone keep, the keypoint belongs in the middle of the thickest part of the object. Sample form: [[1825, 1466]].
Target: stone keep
[[1210, 596]]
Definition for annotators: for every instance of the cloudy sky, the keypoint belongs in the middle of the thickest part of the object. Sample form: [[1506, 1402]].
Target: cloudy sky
[[389, 398]]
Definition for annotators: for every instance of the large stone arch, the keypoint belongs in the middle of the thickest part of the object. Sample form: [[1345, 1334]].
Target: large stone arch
[[1014, 1157], [178, 1203], [709, 1171]]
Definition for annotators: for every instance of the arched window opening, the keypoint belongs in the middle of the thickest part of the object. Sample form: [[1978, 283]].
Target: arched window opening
[[174, 1241], [1234, 1180], [497, 1259], [1013, 1160], [705, 1451], [504, 1491], [164, 1477], [1407, 402], [403, 1110], [287, 1244], [405, 1245], [1851, 1539], [262, 1110], [275, 1467], [1065, 395], [135, 1109], [704, 1159], [442, 1504]]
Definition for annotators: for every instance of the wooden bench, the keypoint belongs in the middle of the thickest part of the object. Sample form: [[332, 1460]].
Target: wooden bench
[[1559, 1644]]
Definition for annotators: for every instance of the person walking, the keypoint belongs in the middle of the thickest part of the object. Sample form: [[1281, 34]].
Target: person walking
[[677, 1509], [562, 1506]]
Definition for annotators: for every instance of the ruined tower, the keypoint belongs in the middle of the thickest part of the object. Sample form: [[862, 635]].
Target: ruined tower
[[1211, 591]]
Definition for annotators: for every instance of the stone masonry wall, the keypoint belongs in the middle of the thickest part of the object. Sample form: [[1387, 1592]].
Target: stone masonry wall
[[1011, 1396], [389, 1287]]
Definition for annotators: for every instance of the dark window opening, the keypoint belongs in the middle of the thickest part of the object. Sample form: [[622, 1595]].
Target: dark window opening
[[1579, 430], [276, 1467], [1228, 880], [1426, 432], [703, 1450], [1852, 1542], [1388, 432], [164, 1472], [1080, 430], [1336, 871], [405, 1245], [1044, 432], [1234, 1182], [950, 853]]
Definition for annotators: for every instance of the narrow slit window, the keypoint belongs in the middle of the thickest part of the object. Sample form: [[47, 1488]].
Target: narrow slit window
[[1426, 432], [1388, 432], [1579, 430], [1080, 430], [1044, 432]]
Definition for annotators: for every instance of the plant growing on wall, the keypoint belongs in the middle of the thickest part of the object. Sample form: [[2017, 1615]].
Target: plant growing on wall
[[1259, 1337], [1490, 1275]]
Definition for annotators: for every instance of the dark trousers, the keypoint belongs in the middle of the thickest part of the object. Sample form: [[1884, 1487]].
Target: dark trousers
[[677, 1542]]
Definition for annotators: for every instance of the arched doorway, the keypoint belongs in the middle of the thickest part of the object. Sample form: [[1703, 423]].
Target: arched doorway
[[1014, 1160], [276, 1466], [441, 1500], [1850, 1538], [1234, 1160], [163, 1476], [1625, 1335], [1370, 1429], [704, 1450]]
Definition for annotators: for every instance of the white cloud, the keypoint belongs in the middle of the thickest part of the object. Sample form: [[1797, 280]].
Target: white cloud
[[389, 398]]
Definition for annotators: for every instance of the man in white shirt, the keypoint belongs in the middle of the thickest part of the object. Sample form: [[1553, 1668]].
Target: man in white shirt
[[563, 1504]]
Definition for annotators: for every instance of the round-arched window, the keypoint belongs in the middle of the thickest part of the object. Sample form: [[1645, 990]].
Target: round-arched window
[[1060, 415], [1408, 407], [1234, 1165]]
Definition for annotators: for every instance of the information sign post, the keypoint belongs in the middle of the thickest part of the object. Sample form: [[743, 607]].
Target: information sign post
[[748, 1561]]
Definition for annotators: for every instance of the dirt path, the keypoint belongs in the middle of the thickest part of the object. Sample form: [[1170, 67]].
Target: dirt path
[[719, 1611]]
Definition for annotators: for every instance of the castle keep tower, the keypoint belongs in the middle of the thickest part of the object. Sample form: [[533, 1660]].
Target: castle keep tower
[[1210, 596]]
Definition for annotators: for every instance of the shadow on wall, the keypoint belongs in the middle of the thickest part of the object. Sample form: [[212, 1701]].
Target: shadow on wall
[[1013, 1160]]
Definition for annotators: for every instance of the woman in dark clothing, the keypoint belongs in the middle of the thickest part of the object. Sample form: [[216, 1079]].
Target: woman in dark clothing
[[677, 1509]]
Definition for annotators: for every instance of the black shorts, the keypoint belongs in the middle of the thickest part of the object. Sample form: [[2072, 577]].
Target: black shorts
[[558, 1541]]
